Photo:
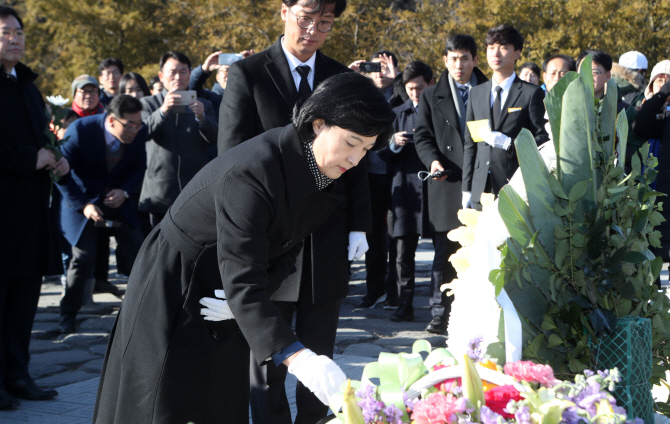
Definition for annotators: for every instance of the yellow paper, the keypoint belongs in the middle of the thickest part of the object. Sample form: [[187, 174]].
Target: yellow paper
[[513, 109], [478, 129]]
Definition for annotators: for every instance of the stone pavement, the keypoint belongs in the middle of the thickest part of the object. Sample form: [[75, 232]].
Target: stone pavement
[[71, 363]]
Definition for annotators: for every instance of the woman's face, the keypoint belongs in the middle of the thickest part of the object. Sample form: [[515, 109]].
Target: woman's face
[[337, 150], [660, 80], [134, 89], [528, 75]]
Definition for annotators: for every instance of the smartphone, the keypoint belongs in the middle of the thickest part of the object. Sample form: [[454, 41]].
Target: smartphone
[[369, 67], [229, 58], [186, 98], [410, 136]]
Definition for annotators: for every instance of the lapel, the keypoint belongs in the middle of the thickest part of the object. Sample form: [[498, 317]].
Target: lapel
[[299, 179], [514, 93], [278, 69], [444, 101]]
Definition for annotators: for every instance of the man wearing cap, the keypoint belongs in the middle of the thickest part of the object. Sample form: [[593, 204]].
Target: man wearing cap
[[629, 75], [86, 96]]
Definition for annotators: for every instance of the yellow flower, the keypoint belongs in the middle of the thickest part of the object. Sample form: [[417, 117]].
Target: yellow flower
[[461, 260], [464, 235], [468, 217]]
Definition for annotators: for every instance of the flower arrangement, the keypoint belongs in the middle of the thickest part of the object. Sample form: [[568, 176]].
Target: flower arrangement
[[479, 391]]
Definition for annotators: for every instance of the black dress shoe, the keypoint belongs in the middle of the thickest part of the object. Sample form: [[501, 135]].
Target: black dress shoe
[[370, 302], [437, 326], [7, 402], [405, 312], [26, 388], [106, 287], [67, 326], [391, 305]]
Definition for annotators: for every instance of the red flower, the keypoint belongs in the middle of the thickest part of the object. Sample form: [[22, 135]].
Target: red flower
[[498, 397]]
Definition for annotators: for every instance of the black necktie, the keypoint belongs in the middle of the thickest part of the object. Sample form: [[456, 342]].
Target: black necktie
[[464, 95], [303, 88], [495, 110]]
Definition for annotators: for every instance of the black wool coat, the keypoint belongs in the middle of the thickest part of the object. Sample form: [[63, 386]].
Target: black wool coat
[[260, 95], [523, 108], [29, 234], [438, 137], [238, 225], [408, 192]]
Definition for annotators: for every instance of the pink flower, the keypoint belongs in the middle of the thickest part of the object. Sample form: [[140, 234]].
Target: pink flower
[[531, 372], [435, 409]]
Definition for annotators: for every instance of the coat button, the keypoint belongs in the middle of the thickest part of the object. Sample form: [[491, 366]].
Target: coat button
[[287, 243], [214, 335], [449, 148]]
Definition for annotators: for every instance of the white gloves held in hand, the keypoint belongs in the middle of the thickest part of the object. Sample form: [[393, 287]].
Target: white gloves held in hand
[[497, 140], [466, 200], [358, 245], [216, 309], [318, 373]]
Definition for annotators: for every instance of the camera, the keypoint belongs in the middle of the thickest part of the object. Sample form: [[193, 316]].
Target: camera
[[369, 67]]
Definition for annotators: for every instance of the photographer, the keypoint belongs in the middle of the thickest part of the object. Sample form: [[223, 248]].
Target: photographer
[[652, 123]]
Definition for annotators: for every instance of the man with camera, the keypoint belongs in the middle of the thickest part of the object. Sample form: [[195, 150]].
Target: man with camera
[[180, 132], [439, 136], [108, 161]]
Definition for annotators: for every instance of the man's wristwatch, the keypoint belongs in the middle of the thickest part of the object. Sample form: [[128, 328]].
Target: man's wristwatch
[[125, 193]]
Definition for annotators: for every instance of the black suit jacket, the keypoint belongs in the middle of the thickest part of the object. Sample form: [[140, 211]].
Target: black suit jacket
[[438, 137], [260, 95], [479, 158]]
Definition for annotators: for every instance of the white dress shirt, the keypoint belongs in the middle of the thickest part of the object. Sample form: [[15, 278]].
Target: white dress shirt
[[294, 62], [506, 86]]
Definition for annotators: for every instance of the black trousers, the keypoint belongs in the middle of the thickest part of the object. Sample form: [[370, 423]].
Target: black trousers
[[378, 242], [316, 328], [84, 255], [442, 272], [405, 266], [18, 304]]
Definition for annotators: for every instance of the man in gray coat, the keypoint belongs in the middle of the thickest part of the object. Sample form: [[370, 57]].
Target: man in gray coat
[[177, 143]]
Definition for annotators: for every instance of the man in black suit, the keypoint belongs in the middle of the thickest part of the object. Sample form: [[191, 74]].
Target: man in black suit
[[508, 104], [261, 92], [439, 136]]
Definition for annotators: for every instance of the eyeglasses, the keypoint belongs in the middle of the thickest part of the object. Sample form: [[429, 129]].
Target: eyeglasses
[[305, 22], [109, 73], [7, 34], [128, 127], [91, 92]]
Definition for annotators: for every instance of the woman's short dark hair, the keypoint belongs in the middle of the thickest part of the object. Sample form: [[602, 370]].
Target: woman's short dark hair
[[138, 79], [532, 66], [461, 42], [154, 80], [6, 11], [318, 5], [417, 69], [350, 101], [505, 34], [124, 104]]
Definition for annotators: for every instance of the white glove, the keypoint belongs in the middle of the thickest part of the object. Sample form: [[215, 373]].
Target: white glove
[[318, 373], [216, 309], [467, 200], [358, 245], [497, 140]]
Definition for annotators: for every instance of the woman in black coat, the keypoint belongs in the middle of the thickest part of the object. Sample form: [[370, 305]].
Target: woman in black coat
[[238, 225]]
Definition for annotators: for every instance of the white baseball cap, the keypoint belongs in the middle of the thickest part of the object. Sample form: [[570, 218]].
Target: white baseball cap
[[633, 60]]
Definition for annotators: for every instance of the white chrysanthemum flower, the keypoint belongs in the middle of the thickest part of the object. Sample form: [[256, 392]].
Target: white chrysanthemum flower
[[57, 100]]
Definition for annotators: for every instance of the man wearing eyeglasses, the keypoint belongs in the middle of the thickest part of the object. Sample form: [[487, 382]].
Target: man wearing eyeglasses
[[110, 72], [108, 160], [86, 96], [260, 95]]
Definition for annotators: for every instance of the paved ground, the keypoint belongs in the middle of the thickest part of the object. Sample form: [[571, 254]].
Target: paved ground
[[72, 363]]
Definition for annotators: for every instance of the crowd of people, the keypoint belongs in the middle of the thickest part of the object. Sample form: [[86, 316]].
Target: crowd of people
[[131, 148]]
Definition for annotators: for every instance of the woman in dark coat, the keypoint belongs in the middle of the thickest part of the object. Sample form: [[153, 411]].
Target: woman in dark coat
[[238, 225]]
